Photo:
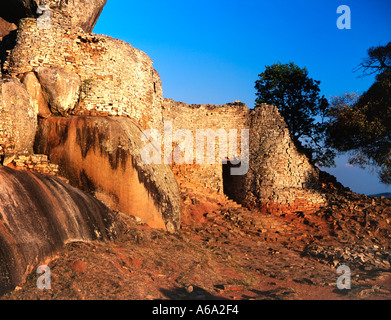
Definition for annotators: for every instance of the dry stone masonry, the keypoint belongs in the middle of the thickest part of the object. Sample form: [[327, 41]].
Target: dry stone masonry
[[279, 177], [35, 163], [116, 79]]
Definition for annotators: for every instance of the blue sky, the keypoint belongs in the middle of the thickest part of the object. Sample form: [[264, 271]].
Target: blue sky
[[212, 51]]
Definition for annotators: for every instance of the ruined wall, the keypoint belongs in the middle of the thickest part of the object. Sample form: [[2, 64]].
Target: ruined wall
[[228, 117], [117, 79], [278, 175], [35, 162]]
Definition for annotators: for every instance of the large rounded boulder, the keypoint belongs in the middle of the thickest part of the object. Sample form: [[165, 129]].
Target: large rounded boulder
[[62, 88], [102, 156], [39, 214], [84, 13], [18, 123]]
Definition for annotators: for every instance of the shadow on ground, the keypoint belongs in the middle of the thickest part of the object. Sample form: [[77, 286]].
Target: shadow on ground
[[189, 293]]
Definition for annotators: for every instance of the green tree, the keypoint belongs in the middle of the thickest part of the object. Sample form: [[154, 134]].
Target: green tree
[[361, 125], [298, 99]]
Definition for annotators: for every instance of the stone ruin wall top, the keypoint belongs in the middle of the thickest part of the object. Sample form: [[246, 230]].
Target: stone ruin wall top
[[117, 79], [277, 172]]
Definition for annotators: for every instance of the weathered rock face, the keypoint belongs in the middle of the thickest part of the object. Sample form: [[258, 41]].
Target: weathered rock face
[[61, 86], [38, 96], [102, 155], [5, 28], [18, 123], [39, 214], [84, 13], [7, 40]]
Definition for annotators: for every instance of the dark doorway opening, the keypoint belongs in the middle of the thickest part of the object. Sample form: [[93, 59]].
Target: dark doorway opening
[[232, 184]]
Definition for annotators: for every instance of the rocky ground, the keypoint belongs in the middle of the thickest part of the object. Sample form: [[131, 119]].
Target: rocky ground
[[228, 252]]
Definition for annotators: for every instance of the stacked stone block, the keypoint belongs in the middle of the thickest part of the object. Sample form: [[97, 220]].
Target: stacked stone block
[[35, 162], [279, 177], [117, 79]]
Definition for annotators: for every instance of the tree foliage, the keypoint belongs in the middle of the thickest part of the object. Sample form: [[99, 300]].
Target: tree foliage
[[361, 125], [298, 99], [377, 61]]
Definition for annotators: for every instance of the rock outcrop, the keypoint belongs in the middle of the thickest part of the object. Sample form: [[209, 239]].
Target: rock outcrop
[[14, 10], [117, 79], [37, 94], [39, 214], [84, 13], [5, 28], [62, 87], [18, 123], [102, 155]]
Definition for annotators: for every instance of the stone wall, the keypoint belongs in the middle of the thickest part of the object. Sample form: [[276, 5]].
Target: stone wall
[[35, 163], [227, 117], [117, 79], [278, 175]]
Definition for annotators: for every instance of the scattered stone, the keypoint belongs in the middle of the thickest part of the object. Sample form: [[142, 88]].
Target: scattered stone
[[189, 289], [78, 266], [232, 287]]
